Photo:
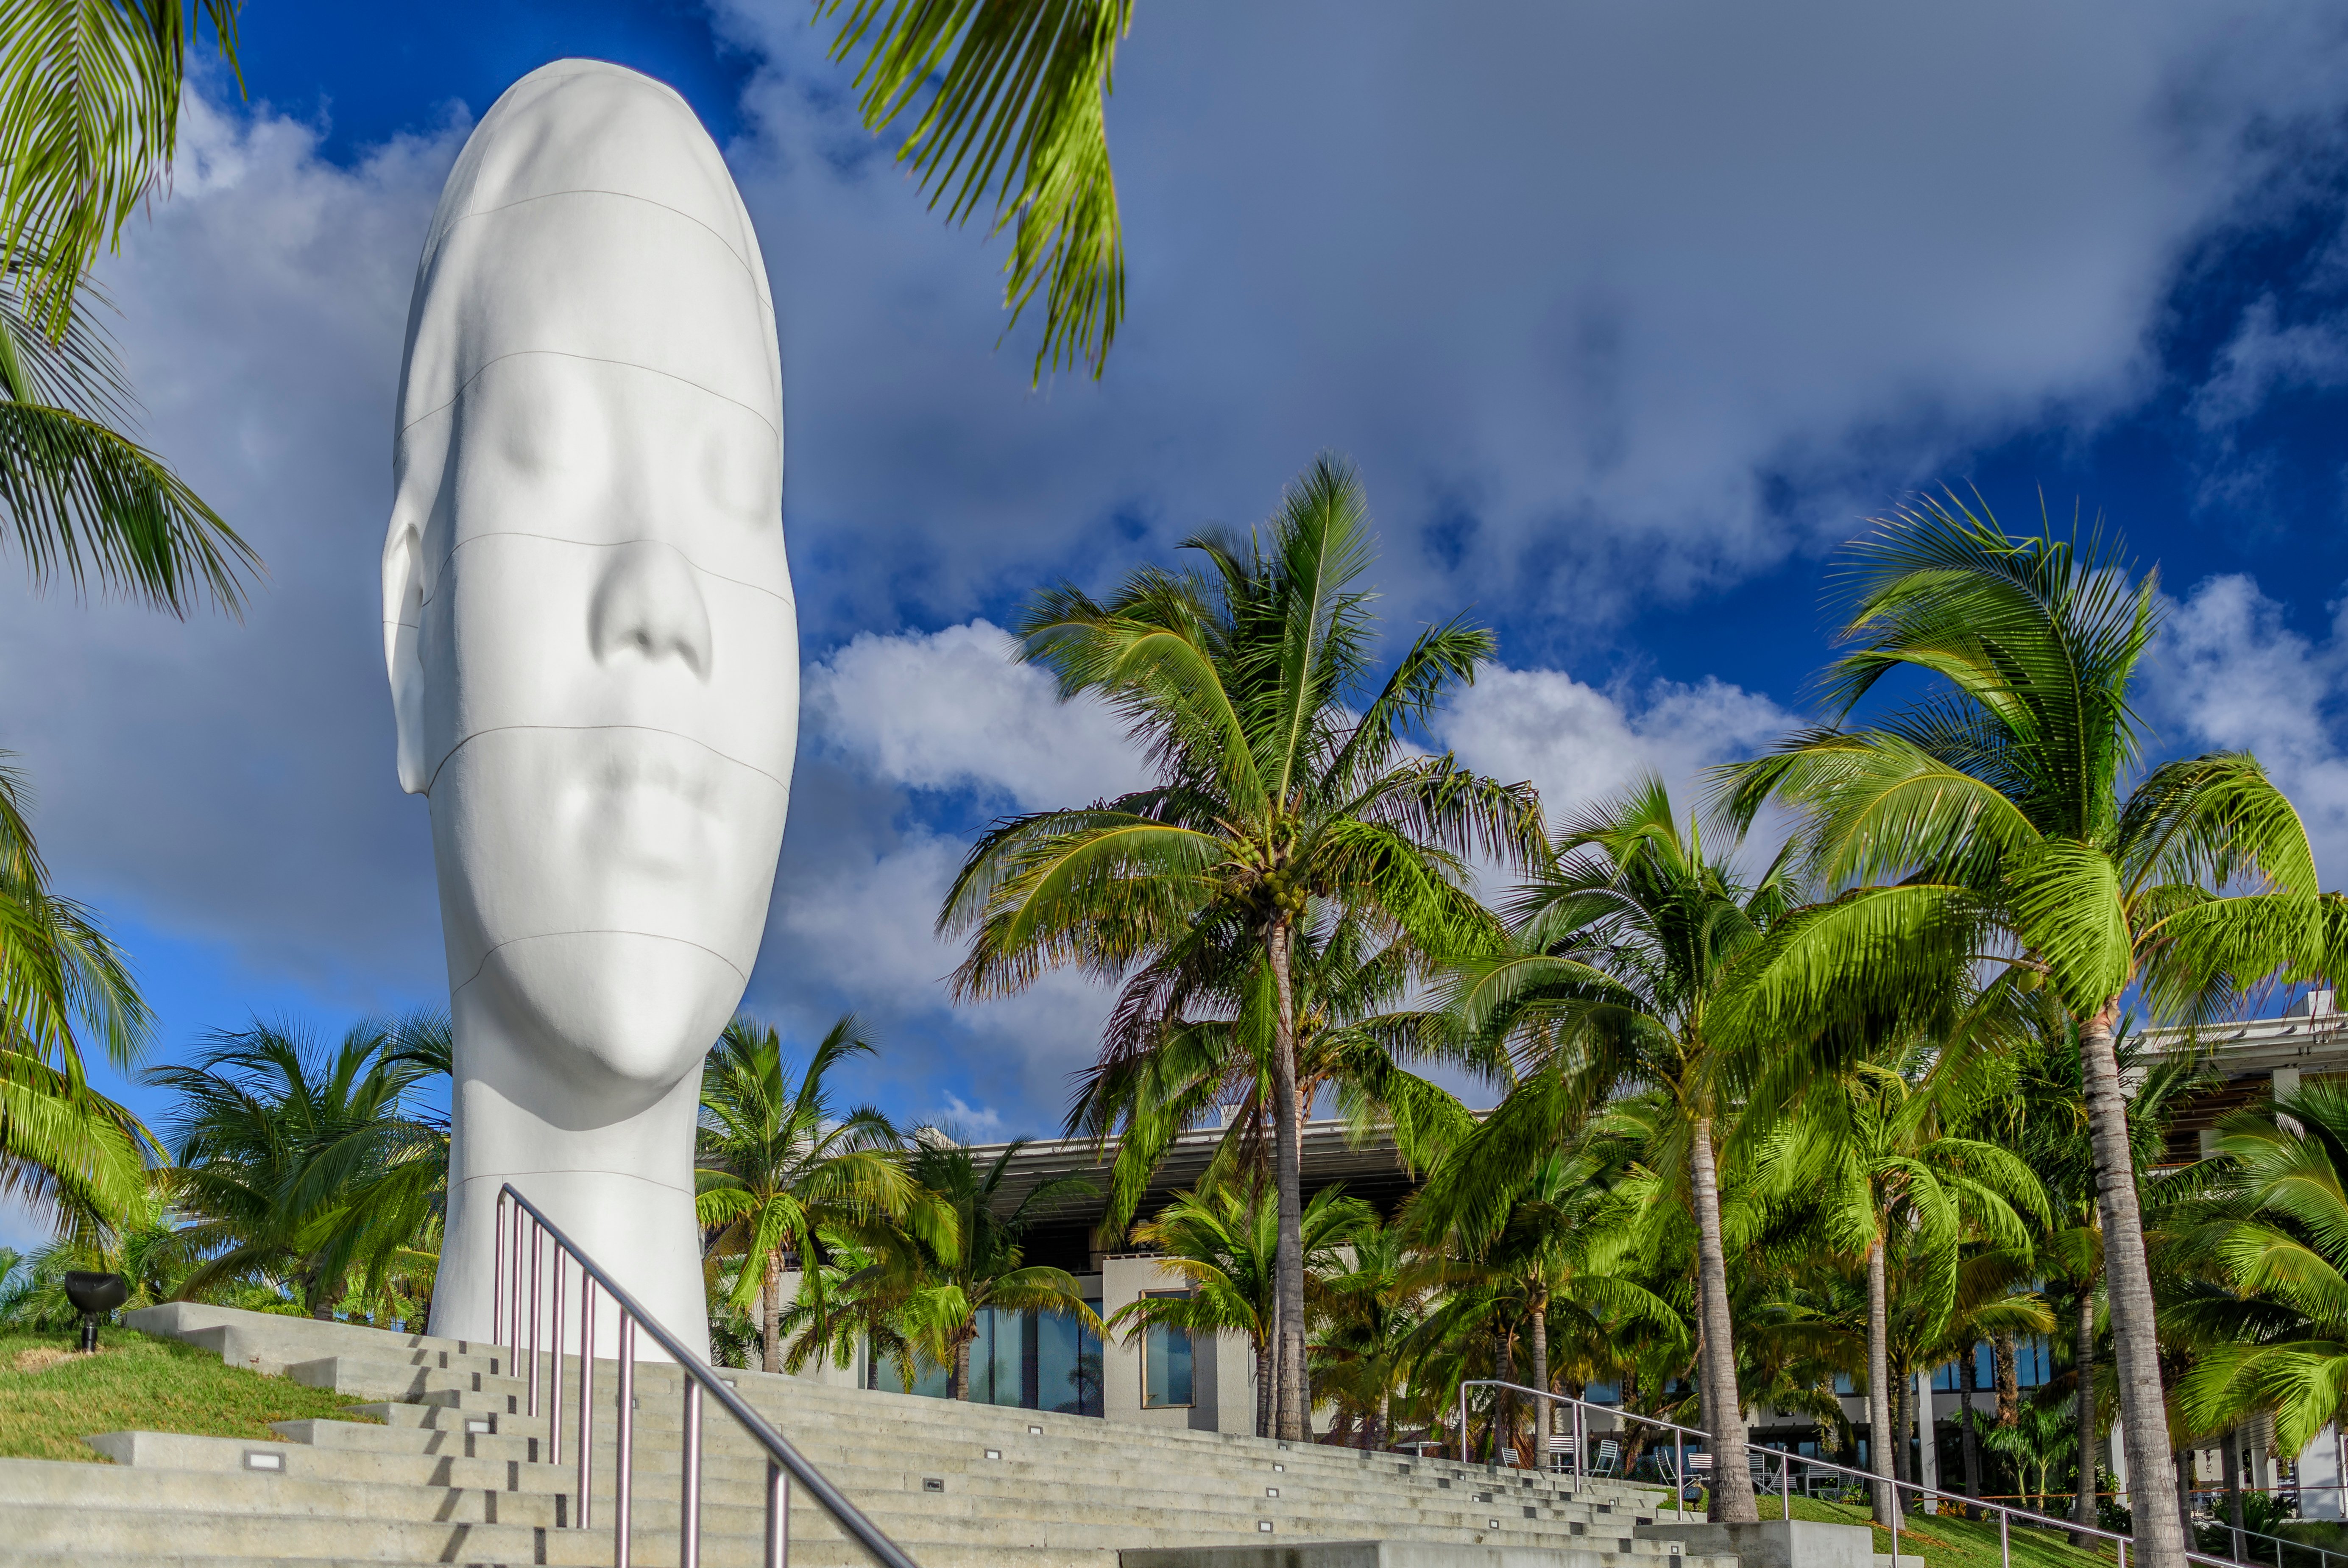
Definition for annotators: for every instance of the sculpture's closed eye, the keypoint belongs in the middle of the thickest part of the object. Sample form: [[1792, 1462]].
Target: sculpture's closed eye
[[648, 603]]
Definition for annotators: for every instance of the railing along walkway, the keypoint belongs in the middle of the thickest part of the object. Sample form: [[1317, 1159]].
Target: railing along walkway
[[1887, 1490], [512, 1304]]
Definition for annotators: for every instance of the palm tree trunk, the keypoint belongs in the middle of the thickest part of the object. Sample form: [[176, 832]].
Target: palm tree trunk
[[1904, 1421], [1724, 1408], [1504, 1409], [2136, 1353], [1880, 1443], [1291, 1414], [2083, 1358], [959, 1382], [770, 1313], [1266, 1369], [1542, 1408], [2007, 1378], [1968, 1383], [1385, 1416], [2232, 1468]]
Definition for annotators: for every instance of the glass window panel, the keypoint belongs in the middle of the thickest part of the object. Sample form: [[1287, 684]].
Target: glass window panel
[[1067, 1365], [1165, 1364], [929, 1380], [1005, 1338]]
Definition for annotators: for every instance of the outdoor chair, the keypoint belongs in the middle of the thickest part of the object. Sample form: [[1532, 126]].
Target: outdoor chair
[[1699, 1469], [1605, 1455]]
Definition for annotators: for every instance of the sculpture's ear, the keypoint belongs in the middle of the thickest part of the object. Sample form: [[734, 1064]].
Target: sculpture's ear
[[403, 653]]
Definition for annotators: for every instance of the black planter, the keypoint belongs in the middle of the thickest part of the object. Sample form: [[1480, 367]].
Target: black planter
[[94, 1295]]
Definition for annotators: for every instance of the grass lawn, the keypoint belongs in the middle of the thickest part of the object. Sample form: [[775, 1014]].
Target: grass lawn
[[136, 1382], [1944, 1542]]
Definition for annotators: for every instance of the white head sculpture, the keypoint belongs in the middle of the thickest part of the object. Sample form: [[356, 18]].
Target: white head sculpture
[[594, 657]]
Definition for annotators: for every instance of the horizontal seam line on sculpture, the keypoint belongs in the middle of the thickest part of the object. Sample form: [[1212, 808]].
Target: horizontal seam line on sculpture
[[598, 544], [740, 259], [572, 1171], [585, 729], [592, 930], [485, 365]]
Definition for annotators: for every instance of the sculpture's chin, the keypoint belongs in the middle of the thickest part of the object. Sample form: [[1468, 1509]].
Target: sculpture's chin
[[612, 1020]]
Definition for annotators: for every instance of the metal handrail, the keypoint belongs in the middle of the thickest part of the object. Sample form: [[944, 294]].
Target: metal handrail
[[701, 1381], [1787, 1460]]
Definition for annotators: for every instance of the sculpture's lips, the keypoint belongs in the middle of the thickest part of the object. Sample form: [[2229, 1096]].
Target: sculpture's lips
[[653, 815]]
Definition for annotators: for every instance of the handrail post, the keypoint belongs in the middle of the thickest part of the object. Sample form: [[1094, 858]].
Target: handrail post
[[537, 1271], [554, 1423], [1679, 1477], [1581, 1443], [513, 1311], [586, 1394], [701, 1384], [2004, 1539], [496, 1292], [513, 1299], [689, 1527], [778, 1516], [1786, 1488], [621, 1501], [1895, 1521]]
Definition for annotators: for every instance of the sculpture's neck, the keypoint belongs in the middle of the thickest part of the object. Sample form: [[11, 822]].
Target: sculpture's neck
[[621, 1187]]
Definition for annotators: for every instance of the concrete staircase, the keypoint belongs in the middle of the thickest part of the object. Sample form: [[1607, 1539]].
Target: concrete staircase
[[450, 1469]]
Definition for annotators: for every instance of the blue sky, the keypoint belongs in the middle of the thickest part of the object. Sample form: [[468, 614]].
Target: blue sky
[[1628, 314]]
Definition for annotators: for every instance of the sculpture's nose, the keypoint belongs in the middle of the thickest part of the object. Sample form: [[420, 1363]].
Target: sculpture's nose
[[649, 603]]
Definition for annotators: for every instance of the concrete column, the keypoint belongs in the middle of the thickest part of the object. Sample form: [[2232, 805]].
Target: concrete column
[[2120, 1463], [2320, 1475], [1928, 1449]]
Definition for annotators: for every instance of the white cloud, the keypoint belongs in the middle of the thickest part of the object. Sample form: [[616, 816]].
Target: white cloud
[[971, 1123], [2230, 674], [2263, 357], [1630, 302], [945, 711], [1579, 744], [949, 710], [1647, 297], [233, 780]]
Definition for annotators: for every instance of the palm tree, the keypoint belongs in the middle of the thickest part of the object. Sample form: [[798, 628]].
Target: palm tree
[[1287, 798], [776, 1162], [298, 1165], [1017, 118], [1190, 1035], [89, 101], [1554, 1253], [1616, 959], [1872, 1148], [89, 113], [957, 1257], [1988, 818], [1372, 1315], [1225, 1242], [89, 104], [63, 1146], [2271, 1231], [2042, 1438], [1991, 1298]]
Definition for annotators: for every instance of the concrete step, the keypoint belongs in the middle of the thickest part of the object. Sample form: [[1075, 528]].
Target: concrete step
[[405, 1355], [956, 1483], [855, 1461], [213, 1473], [659, 1419]]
